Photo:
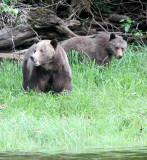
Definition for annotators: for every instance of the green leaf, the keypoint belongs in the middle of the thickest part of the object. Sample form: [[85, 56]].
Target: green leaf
[[123, 24], [15, 11], [137, 34], [128, 20], [5, 1], [127, 27], [122, 20], [6, 9]]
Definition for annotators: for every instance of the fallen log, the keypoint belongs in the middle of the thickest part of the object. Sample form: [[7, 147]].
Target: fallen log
[[21, 52], [12, 37], [11, 56], [41, 18]]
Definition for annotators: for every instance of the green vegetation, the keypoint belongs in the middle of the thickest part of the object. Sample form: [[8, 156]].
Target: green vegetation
[[6, 8], [127, 23], [107, 107]]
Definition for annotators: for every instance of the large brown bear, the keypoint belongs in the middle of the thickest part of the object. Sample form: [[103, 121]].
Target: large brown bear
[[46, 67], [101, 48]]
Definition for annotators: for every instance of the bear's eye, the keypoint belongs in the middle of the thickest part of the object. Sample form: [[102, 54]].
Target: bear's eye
[[41, 50], [116, 48], [122, 49]]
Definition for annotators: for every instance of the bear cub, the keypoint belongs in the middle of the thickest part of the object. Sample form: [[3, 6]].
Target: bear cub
[[101, 48], [46, 67]]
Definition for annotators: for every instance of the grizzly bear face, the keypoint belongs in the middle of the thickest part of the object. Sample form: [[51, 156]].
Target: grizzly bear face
[[116, 46], [44, 53]]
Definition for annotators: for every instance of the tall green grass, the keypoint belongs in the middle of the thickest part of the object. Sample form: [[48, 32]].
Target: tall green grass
[[107, 107]]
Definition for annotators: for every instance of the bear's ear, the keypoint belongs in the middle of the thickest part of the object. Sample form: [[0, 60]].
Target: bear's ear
[[112, 36], [125, 38], [54, 43]]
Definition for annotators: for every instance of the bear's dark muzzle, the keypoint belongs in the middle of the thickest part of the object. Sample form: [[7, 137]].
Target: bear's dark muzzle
[[32, 58], [119, 57]]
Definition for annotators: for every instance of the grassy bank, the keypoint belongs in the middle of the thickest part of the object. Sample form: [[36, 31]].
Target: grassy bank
[[107, 107]]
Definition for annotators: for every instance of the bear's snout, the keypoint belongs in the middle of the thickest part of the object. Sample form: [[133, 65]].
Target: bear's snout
[[32, 58], [35, 61], [120, 56]]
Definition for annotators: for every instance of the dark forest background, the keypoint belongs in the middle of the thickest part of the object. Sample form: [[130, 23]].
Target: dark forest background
[[24, 21]]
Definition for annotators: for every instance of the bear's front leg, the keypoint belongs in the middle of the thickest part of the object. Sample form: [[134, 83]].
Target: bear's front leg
[[61, 81]]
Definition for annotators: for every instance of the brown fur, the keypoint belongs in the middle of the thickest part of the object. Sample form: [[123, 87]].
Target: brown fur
[[46, 67], [101, 48]]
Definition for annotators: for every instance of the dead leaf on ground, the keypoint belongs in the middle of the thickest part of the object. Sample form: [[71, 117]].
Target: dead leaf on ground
[[3, 105]]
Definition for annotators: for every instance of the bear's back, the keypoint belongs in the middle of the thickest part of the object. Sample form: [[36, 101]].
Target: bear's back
[[78, 43]]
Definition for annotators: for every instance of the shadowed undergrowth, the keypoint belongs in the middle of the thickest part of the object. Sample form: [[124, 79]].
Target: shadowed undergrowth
[[107, 107]]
